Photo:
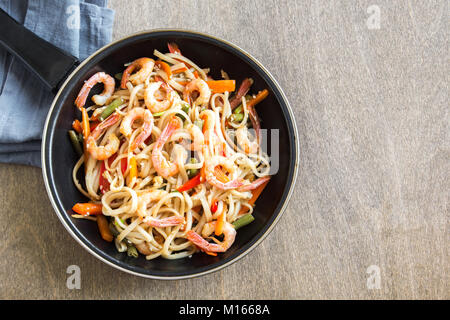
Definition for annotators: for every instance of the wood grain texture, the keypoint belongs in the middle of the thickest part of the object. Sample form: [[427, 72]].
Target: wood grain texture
[[372, 111]]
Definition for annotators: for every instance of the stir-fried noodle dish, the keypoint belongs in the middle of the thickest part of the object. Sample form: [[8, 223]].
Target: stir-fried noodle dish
[[170, 159]]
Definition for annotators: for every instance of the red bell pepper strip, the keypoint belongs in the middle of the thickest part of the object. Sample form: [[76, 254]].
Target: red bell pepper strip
[[195, 181]]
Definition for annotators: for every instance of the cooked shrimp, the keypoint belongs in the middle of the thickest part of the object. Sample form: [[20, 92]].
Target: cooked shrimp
[[147, 126], [201, 87], [198, 139], [229, 236], [244, 141], [254, 184], [99, 99], [210, 165], [208, 117], [161, 165], [155, 105], [146, 198], [145, 67], [164, 222], [106, 151]]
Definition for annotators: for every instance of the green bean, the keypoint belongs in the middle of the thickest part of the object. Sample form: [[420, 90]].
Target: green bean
[[75, 142], [239, 109], [113, 228], [192, 172], [243, 221], [199, 123], [157, 114], [118, 76], [237, 117], [110, 108], [185, 108], [132, 252]]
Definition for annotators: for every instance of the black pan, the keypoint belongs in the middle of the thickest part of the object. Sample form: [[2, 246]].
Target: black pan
[[65, 75]]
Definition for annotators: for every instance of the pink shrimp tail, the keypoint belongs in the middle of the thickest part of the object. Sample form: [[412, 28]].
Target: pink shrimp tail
[[255, 184], [165, 222], [204, 245]]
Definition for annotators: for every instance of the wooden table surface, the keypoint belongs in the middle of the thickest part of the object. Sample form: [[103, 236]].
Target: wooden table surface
[[369, 215]]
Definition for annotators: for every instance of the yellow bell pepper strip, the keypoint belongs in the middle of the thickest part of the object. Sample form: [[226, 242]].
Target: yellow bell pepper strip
[[133, 169]]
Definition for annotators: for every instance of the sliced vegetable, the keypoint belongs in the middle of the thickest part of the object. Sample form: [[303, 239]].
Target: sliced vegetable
[[185, 108], [242, 91], [255, 194], [77, 145], [103, 182], [118, 76], [214, 206], [165, 67], [237, 117], [85, 123], [180, 70], [192, 183], [103, 227], [110, 108], [158, 114], [88, 209], [220, 224], [220, 86], [239, 109], [132, 252], [243, 221], [199, 123], [133, 169], [192, 172], [76, 125], [259, 97], [94, 125]]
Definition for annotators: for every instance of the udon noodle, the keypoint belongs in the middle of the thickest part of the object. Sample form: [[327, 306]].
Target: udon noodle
[[170, 158]]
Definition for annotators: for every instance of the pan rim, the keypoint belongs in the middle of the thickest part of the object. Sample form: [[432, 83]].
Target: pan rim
[[282, 209]]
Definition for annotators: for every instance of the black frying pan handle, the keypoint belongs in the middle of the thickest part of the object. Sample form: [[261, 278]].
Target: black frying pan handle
[[51, 64]]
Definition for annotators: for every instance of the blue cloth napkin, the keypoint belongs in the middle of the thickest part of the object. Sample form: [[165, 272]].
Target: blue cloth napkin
[[78, 26]]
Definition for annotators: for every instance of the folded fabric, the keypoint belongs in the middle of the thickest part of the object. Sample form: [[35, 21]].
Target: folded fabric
[[77, 26]]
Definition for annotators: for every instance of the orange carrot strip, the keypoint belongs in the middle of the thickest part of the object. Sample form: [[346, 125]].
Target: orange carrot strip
[[219, 224], [184, 69], [103, 227], [165, 67], [259, 97], [76, 125], [255, 194], [220, 86], [87, 209], [85, 124]]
